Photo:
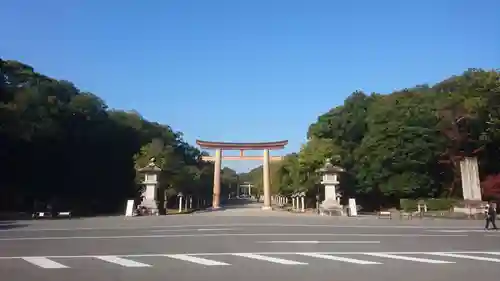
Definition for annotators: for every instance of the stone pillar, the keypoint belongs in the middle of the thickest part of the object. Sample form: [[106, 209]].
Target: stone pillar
[[469, 170], [217, 169], [267, 181], [180, 204]]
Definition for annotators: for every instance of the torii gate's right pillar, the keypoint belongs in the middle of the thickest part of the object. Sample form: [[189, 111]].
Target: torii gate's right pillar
[[266, 181]]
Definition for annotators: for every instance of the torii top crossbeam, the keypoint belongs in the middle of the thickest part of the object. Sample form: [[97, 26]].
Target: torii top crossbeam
[[242, 145]]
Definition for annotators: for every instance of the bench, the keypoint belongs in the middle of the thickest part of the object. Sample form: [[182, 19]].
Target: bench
[[384, 214], [403, 215], [37, 215], [64, 214]]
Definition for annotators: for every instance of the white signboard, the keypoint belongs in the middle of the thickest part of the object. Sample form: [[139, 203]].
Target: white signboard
[[130, 208], [353, 211]]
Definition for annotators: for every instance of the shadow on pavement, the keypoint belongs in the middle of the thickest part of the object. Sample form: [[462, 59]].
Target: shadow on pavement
[[14, 217], [241, 203], [232, 204], [5, 225]]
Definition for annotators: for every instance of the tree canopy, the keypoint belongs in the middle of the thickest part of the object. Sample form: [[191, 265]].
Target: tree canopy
[[406, 144], [62, 145]]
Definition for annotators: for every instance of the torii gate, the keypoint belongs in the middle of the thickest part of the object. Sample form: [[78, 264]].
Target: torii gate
[[217, 159]]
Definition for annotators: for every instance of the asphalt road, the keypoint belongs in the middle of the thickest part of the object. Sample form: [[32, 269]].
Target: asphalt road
[[247, 244]]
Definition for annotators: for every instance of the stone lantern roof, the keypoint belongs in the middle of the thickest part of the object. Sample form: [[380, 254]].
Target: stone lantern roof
[[329, 168], [150, 168]]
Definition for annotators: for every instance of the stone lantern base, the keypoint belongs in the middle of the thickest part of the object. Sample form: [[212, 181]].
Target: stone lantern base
[[150, 205], [331, 207]]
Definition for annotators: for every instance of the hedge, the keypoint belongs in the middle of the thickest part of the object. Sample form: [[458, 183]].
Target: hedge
[[433, 204]]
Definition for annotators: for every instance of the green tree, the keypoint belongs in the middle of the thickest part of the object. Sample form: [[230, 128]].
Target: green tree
[[64, 146]]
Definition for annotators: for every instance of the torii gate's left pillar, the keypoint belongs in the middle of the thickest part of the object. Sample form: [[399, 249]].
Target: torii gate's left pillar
[[217, 170]]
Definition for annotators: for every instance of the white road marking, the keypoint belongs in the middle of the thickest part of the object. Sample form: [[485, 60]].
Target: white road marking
[[44, 262], [259, 253], [269, 259], [397, 257], [241, 225], [318, 242], [336, 258], [458, 230], [122, 261], [197, 260], [172, 230], [214, 229], [227, 234], [460, 256], [187, 230]]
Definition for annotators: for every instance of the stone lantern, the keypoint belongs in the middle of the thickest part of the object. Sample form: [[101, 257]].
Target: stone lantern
[[149, 195], [330, 179]]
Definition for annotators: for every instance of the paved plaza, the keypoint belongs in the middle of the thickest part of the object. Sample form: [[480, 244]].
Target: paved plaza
[[245, 244]]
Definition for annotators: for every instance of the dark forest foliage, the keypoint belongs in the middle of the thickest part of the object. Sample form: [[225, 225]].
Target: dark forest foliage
[[63, 146], [406, 144], [59, 144]]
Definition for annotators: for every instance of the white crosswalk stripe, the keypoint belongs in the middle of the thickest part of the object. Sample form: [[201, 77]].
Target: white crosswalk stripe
[[197, 260], [336, 258], [461, 256], [269, 259], [277, 258], [122, 261], [405, 258], [44, 262]]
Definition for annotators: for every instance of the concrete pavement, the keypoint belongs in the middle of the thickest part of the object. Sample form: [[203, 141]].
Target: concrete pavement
[[244, 247]]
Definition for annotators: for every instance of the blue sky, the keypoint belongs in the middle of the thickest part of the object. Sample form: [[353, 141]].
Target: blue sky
[[248, 70]]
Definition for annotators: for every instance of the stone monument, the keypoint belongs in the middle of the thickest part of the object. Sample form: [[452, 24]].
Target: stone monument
[[469, 170], [151, 172], [329, 178]]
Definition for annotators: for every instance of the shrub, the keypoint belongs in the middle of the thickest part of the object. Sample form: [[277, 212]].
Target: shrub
[[433, 204]]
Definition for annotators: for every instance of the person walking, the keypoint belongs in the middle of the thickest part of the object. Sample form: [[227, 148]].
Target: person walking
[[491, 215]]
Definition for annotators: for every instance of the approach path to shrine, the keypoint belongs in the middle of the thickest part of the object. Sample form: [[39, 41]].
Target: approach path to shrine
[[244, 244]]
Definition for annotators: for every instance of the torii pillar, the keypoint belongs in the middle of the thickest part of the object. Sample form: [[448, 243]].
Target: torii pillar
[[217, 159], [266, 178], [217, 169]]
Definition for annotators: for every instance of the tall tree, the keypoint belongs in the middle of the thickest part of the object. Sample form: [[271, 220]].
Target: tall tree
[[63, 146]]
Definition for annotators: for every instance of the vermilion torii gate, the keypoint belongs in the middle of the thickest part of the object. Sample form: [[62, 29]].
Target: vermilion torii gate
[[217, 159]]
